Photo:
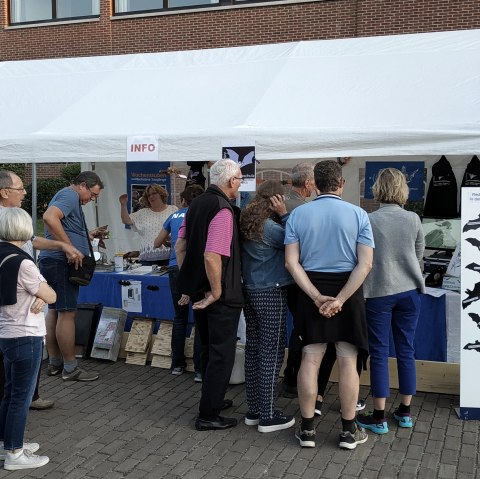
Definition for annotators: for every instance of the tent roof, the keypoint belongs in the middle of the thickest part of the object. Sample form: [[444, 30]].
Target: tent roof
[[398, 95]]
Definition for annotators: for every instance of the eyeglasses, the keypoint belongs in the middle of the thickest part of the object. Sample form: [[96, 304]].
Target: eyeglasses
[[241, 179], [92, 193], [15, 189]]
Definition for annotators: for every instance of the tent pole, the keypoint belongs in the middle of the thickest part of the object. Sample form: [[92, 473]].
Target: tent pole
[[34, 198]]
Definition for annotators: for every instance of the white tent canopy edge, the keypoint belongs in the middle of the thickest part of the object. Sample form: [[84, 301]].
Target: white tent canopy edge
[[380, 96]]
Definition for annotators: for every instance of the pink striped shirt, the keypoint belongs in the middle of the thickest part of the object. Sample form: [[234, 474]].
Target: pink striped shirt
[[220, 231]]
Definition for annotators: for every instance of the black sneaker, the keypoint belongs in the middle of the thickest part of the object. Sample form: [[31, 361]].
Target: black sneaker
[[350, 441], [54, 370], [318, 408], [276, 423], [252, 419], [306, 438], [288, 391], [79, 375]]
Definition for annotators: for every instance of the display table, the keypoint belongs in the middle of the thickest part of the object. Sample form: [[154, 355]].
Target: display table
[[106, 288], [437, 337]]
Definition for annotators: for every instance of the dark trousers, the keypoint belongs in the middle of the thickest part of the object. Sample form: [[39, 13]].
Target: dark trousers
[[2, 380], [180, 322], [265, 313], [217, 326], [21, 359]]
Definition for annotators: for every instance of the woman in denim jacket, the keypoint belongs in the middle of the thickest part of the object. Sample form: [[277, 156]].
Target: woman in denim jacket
[[264, 281]]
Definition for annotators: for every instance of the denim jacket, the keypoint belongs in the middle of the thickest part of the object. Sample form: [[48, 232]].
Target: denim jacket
[[263, 262]]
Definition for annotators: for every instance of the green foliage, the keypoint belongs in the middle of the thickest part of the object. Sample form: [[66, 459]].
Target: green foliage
[[70, 171], [46, 188], [18, 168]]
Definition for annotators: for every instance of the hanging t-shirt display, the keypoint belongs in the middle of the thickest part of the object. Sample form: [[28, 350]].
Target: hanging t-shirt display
[[441, 201], [471, 177]]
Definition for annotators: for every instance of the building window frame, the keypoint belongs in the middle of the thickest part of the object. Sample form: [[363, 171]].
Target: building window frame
[[54, 17], [166, 8]]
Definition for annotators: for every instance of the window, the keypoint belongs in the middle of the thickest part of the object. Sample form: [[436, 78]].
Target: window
[[31, 11], [127, 6]]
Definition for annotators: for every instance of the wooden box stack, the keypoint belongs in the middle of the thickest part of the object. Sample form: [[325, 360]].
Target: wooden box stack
[[139, 341], [189, 351], [162, 349]]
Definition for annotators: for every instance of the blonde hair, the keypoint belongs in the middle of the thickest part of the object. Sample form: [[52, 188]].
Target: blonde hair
[[391, 187], [15, 224]]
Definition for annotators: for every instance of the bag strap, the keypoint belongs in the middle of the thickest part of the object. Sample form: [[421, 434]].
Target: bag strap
[[8, 257], [86, 231]]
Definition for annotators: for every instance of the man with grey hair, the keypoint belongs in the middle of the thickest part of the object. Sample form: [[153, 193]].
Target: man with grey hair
[[12, 193], [208, 255], [303, 184]]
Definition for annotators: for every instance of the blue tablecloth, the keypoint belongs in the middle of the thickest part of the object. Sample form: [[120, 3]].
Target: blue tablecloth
[[431, 333], [105, 288]]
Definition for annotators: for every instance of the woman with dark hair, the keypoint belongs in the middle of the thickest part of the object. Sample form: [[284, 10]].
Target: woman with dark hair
[[170, 229], [392, 300], [21, 337], [264, 280], [148, 221]]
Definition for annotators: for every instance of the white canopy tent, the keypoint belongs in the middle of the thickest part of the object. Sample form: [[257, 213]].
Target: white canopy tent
[[405, 95], [380, 96]]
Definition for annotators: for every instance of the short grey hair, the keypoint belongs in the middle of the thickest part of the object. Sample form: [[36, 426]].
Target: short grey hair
[[6, 178], [301, 173], [222, 171], [15, 224]]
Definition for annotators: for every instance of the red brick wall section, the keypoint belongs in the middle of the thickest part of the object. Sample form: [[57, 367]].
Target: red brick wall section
[[230, 27]]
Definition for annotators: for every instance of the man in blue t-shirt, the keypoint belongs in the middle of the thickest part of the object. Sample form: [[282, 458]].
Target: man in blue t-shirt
[[171, 227], [329, 252], [64, 221]]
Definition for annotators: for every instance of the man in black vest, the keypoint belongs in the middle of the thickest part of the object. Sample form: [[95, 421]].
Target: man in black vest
[[208, 255]]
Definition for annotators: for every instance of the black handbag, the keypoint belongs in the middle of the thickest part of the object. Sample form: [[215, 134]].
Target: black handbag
[[84, 274]]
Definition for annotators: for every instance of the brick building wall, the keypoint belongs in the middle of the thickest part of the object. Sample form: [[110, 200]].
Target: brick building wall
[[232, 26]]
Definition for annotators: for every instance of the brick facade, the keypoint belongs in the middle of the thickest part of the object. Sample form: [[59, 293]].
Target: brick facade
[[232, 26]]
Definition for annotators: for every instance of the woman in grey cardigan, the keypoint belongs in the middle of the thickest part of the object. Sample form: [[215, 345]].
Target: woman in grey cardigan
[[393, 303]]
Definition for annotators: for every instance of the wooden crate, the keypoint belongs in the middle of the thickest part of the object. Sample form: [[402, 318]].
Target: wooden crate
[[161, 361], [140, 336], [139, 359]]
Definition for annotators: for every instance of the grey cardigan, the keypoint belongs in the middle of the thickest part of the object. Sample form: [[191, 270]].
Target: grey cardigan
[[399, 246]]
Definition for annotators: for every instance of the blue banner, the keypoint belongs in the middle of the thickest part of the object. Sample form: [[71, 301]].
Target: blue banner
[[140, 175], [414, 172]]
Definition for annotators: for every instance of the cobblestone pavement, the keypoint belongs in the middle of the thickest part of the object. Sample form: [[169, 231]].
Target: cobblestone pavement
[[137, 422]]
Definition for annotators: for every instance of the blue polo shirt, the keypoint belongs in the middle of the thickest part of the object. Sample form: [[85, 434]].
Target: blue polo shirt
[[328, 230]]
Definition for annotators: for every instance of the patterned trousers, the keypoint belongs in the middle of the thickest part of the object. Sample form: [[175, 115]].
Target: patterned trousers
[[265, 316]]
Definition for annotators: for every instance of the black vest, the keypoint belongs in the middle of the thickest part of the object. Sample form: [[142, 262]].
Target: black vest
[[192, 278]]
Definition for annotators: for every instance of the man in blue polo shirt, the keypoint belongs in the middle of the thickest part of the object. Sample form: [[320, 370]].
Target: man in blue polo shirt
[[329, 251]]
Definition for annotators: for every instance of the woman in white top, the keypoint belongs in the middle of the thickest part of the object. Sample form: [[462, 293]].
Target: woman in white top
[[148, 222], [21, 336]]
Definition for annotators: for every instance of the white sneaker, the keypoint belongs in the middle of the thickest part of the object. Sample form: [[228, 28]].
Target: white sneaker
[[30, 446], [24, 460]]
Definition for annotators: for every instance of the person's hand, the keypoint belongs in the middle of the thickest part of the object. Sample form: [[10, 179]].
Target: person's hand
[[72, 254], [277, 204], [37, 306], [209, 299], [331, 308], [321, 299], [184, 300], [123, 199]]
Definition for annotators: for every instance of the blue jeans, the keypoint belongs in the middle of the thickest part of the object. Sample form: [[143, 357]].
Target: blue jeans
[[179, 330], [398, 313], [21, 359]]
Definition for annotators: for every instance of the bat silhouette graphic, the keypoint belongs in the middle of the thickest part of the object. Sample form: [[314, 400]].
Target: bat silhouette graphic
[[473, 295], [473, 346], [473, 267], [474, 242], [472, 224], [246, 160], [475, 318]]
